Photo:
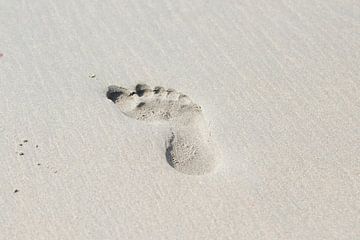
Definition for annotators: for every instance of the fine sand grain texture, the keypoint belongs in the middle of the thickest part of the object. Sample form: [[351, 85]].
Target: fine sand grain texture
[[273, 152]]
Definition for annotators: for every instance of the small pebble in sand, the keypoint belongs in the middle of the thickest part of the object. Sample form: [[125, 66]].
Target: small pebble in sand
[[92, 75], [25, 141], [21, 154], [37, 146], [20, 144], [16, 190], [38, 164]]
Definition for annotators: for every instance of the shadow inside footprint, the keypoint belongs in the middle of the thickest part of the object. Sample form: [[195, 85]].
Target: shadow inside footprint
[[169, 152], [140, 89], [114, 93], [113, 96]]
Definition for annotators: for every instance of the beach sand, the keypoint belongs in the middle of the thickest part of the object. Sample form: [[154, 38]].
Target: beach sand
[[257, 138]]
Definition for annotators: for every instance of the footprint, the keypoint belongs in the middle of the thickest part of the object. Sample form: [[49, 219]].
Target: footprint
[[189, 148]]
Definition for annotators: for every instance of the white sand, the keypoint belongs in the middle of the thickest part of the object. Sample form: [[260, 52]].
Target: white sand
[[278, 82]]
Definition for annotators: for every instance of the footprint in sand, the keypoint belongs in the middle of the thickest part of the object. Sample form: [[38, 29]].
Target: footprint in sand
[[189, 148]]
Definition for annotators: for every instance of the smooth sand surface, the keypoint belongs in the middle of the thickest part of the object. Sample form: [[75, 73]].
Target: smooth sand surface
[[278, 83]]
